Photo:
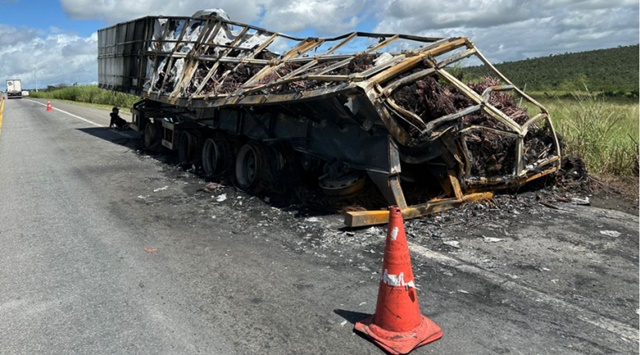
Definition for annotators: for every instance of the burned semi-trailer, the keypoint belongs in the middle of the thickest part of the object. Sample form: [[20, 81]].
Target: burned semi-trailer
[[384, 110]]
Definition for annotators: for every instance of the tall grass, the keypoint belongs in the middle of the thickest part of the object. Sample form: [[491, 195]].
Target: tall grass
[[90, 94], [601, 130]]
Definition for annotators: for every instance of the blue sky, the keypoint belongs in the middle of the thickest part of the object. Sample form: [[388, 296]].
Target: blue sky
[[43, 15], [55, 40]]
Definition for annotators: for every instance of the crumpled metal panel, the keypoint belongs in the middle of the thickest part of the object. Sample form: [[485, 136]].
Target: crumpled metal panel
[[210, 62]]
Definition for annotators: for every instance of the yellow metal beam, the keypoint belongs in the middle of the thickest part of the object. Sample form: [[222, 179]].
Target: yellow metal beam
[[370, 218]]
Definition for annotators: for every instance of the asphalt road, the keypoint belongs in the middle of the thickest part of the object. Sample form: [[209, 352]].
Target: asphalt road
[[106, 250]]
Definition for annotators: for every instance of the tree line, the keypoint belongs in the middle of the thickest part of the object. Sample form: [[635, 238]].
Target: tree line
[[612, 71]]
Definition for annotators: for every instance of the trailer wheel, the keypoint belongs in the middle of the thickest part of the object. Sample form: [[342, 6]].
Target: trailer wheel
[[275, 177], [188, 148], [152, 138], [216, 156], [249, 165], [345, 185], [260, 168]]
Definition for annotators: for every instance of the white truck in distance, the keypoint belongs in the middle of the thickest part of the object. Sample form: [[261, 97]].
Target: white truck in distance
[[14, 89]]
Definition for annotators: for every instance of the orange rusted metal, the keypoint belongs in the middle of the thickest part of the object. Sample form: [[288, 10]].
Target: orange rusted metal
[[367, 218]]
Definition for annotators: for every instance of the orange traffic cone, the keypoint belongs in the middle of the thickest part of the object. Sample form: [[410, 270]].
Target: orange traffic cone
[[49, 108], [397, 325]]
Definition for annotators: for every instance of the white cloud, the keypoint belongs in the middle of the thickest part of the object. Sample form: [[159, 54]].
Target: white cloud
[[418, 15], [55, 58], [327, 17], [507, 30], [10, 35], [113, 11]]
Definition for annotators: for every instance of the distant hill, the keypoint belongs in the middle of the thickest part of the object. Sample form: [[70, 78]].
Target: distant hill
[[610, 70]]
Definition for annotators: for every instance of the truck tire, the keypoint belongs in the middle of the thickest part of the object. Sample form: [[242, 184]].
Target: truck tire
[[276, 176], [217, 158], [348, 184], [249, 166], [188, 148], [259, 168], [152, 137]]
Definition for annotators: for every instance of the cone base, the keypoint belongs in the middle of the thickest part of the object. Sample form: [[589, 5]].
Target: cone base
[[400, 342]]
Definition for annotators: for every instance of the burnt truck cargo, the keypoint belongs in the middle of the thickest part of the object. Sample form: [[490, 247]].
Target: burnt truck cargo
[[393, 111]]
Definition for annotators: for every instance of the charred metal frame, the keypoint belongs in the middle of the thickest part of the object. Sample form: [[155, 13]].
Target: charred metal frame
[[155, 61]]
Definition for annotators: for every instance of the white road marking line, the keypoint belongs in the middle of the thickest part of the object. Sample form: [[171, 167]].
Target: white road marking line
[[70, 114], [585, 315], [78, 117]]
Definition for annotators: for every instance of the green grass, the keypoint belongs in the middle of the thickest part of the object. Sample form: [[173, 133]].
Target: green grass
[[602, 130], [91, 94]]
